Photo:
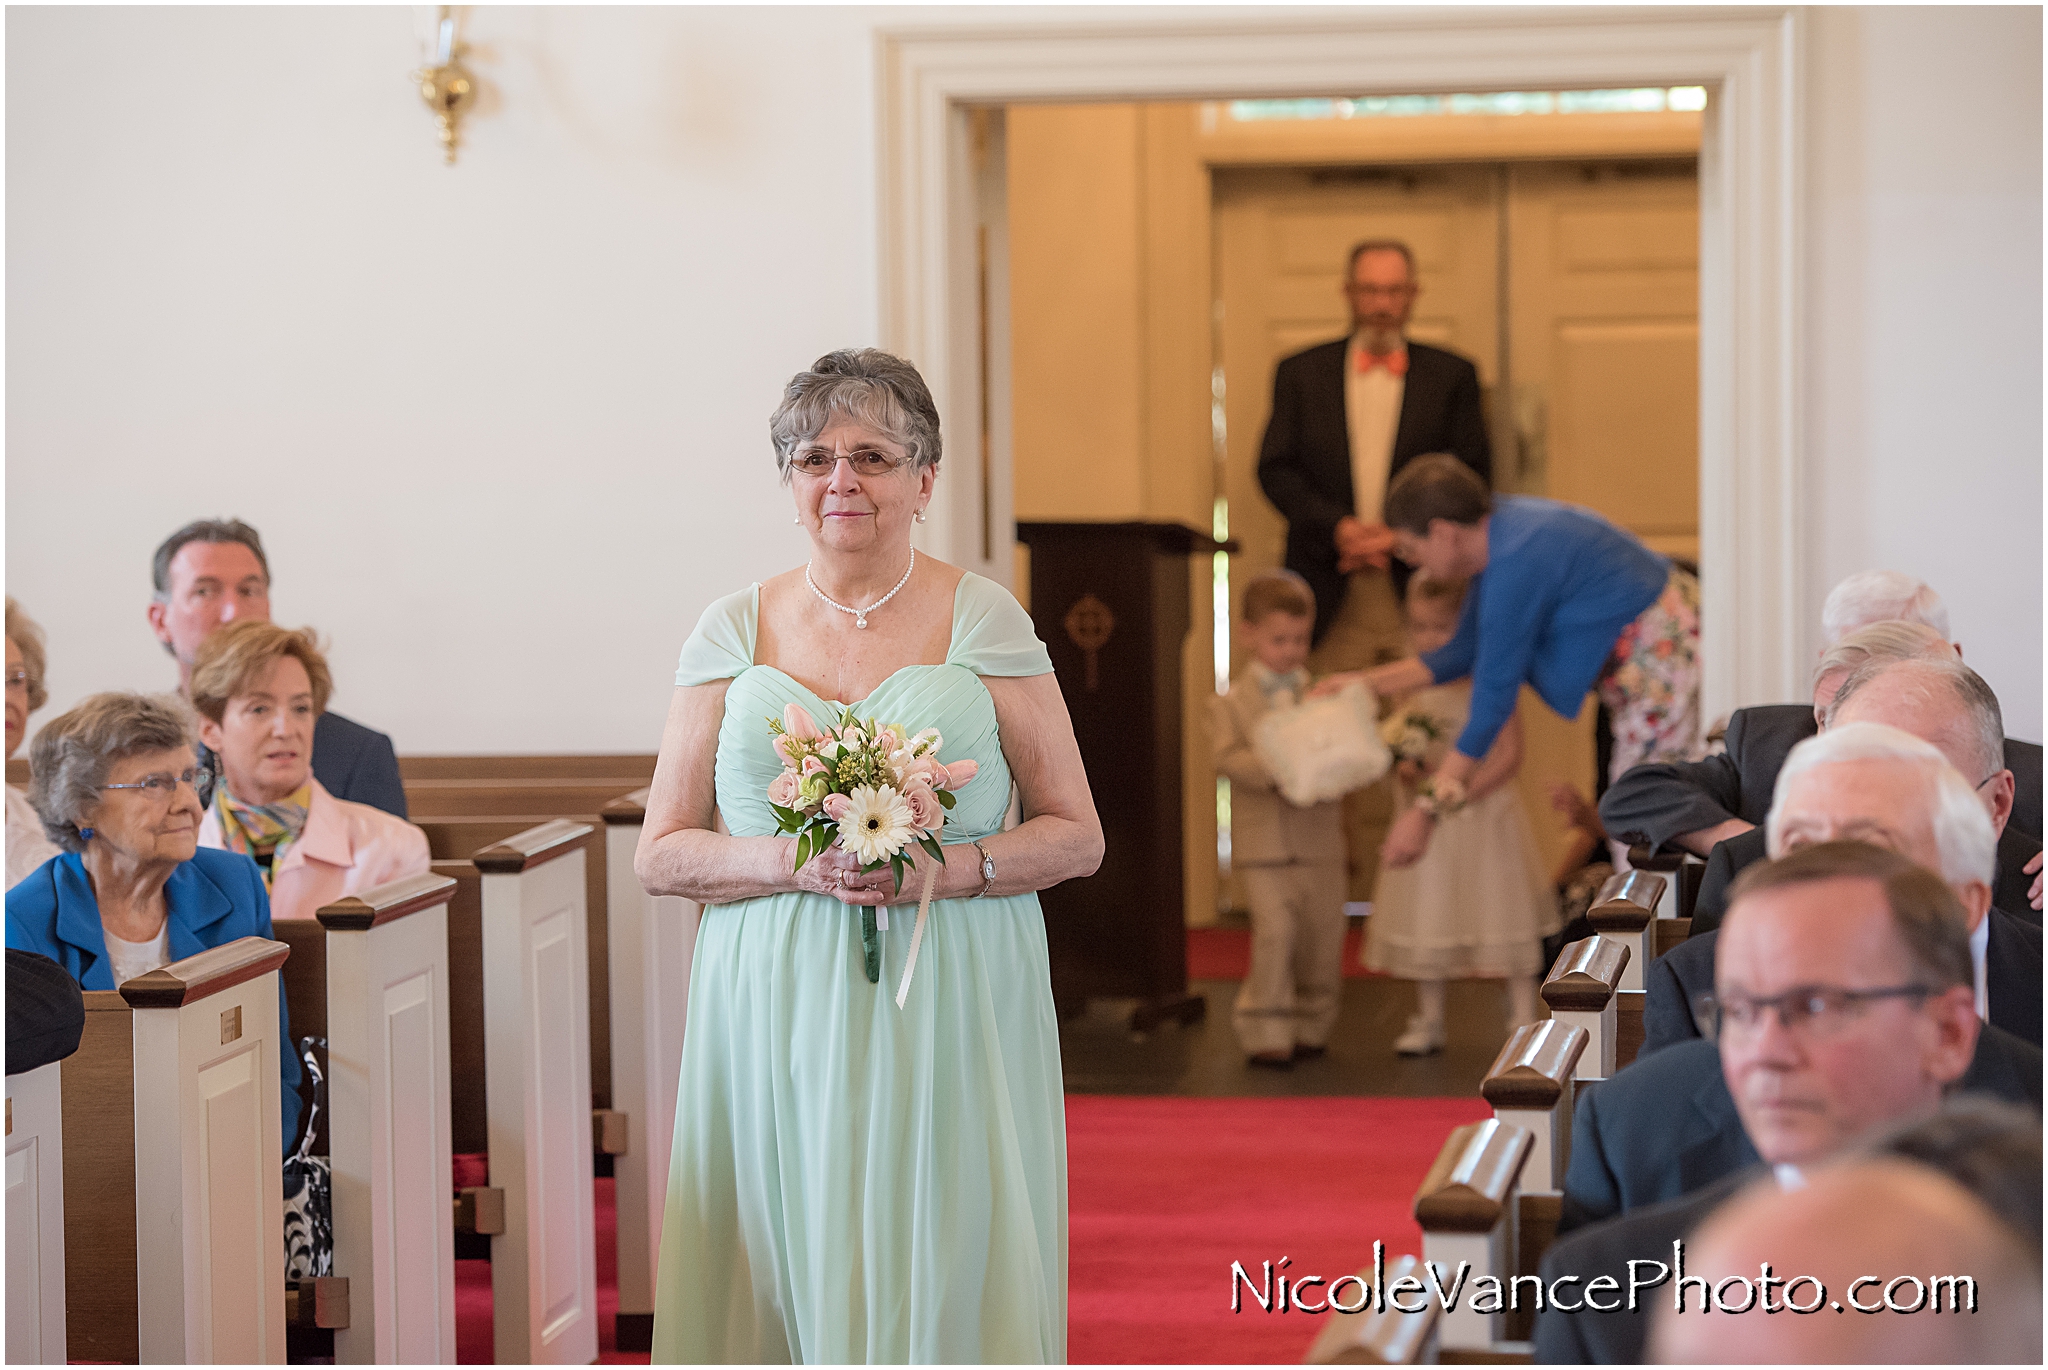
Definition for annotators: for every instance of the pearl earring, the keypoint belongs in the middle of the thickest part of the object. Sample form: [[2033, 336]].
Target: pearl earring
[[920, 516], [798, 519]]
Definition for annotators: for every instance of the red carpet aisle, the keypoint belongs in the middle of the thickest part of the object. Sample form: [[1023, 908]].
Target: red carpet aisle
[[1164, 1193], [1226, 954]]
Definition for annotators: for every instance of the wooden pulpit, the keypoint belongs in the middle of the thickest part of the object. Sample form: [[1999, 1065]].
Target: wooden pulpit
[[1111, 602]]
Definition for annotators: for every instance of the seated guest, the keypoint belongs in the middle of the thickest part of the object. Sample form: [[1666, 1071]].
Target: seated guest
[[1695, 805], [1842, 1003], [258, 689], [214, 572], [132, 890], [27, 848], [1989, 1148], [1946, 703], [1848, 1222], [1882, 785]]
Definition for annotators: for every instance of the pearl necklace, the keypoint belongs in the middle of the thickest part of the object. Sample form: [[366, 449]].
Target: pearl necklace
[[860, 616]]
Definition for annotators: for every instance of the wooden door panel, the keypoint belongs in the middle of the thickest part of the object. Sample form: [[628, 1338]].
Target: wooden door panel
[[1627, 412]]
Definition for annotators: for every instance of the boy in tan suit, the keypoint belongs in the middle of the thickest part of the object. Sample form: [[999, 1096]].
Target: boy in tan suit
[[1291, 859]]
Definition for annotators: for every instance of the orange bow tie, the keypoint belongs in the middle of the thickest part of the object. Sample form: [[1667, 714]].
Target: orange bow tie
[[1395, 362]]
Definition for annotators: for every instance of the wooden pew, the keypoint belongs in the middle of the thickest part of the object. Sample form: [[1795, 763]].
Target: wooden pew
[[630, 769], [455, 837], [1580, 989], [651, 941], [173, 1204], [1467, 1210], [1625, 909], [371, 976], [1380, 1336], [1530, 1086], [487, 798], [537, 1088], [35, 1216]]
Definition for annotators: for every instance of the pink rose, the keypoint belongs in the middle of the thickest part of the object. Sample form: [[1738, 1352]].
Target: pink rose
[[960, 772], [925, 810], [922, 768], [813, 766], [836, 806], [889, 740], [782, 790], [800, 724]]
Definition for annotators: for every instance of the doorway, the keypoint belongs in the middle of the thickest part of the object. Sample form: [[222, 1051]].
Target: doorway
[[1573, 285]]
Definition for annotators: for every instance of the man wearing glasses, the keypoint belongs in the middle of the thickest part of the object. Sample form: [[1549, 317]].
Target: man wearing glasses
[[1347, 416], [1844, 1001]]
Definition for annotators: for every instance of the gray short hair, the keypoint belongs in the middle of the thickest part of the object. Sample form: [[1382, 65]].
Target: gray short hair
[[1962, 829], [1891, 639], [1873, 596], [72, 755], [866, 385], [1929, 678]]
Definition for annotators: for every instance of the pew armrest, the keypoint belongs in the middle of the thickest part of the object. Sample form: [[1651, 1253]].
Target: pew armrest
[[1380, 1336], [1467, 1189], [1585, 975], [1535, 1066], [627, 808], [386, 903], [523, 851]]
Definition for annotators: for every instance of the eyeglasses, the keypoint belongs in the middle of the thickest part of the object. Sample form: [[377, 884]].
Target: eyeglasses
[[1814, 1011], [816, 461], [17, 680], [163, 784]]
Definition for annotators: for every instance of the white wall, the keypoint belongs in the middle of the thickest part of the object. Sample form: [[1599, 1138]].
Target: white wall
[[503, 425], [1924, 324]]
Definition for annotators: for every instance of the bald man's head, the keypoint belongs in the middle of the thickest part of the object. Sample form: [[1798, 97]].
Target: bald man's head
[[1865, 1230]]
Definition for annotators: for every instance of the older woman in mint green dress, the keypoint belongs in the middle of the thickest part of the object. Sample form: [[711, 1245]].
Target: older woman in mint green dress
[[853, 1181]]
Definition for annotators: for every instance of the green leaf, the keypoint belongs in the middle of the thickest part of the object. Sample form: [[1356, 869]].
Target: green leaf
[[946, 799], [931, 845], [807, 846], [896, 865]]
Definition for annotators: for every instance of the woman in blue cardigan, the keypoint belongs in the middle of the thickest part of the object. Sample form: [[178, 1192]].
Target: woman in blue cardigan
[[1560, 600], [130, 889]]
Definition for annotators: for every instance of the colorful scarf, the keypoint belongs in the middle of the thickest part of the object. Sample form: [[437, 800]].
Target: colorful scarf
[[259, 829]]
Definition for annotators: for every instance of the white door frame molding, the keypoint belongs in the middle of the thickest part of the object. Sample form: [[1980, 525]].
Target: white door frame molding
[[1751, 528]]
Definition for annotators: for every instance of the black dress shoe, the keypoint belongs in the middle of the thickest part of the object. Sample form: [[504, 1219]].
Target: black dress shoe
[[1304, 1052], [1270, 1060]]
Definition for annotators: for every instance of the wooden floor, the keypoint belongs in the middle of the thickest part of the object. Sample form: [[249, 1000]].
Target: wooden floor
[[1101, 1056]]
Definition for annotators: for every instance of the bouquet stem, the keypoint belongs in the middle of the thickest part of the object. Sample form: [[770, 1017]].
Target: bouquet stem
[[871, 946]]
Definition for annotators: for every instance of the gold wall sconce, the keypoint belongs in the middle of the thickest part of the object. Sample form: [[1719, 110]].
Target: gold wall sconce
[[446, 87]]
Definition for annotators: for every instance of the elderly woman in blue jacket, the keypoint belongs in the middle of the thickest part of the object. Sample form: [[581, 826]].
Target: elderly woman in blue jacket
[[130, 889], [1560, 600]]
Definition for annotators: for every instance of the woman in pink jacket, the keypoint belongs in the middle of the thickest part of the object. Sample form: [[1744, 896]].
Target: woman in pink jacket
[[258, 688]]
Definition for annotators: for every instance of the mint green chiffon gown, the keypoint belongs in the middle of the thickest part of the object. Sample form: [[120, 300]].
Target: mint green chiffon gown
[[852, 1182]]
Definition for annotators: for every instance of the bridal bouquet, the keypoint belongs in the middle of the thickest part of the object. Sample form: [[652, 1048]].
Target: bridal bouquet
[[874, 789]]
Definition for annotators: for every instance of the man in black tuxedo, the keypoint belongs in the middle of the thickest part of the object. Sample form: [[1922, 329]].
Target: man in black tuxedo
[[1347, 416], [1867, 779], [214, 571], [1844, 1003]]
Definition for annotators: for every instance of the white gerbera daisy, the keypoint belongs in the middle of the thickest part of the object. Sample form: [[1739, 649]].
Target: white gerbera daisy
[[877, 823]]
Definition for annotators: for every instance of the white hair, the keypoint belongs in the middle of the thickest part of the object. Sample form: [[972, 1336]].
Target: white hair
[[1939, 681], [1874, 596], [1962, 829]]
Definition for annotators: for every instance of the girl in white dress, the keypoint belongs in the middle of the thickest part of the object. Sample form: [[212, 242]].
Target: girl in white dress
[[1477, 903]]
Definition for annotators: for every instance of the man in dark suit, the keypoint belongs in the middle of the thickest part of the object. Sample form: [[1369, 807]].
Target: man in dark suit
[[214, 571], [1844, 1002], [1347, 416], [1866, 779]]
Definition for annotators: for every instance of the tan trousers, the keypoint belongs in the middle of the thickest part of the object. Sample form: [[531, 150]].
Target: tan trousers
[[1366, 632], [1295, 984]]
